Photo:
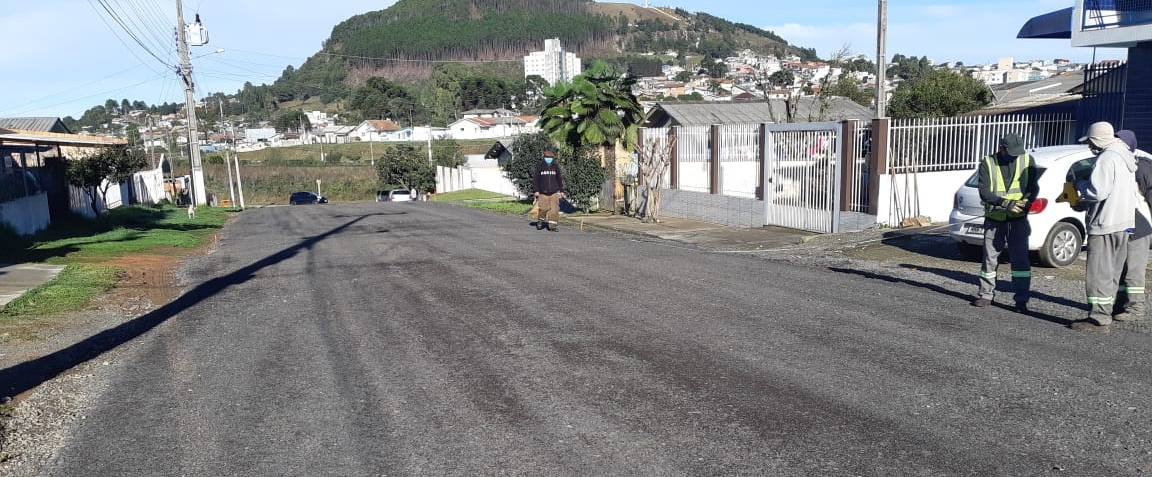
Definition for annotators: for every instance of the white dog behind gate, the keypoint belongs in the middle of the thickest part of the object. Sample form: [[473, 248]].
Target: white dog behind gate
[[191, 211]]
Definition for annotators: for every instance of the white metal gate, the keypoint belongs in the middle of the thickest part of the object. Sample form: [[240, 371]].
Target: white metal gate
[[801, 189]]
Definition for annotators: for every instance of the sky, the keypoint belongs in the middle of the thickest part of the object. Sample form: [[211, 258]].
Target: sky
[[61, 57]]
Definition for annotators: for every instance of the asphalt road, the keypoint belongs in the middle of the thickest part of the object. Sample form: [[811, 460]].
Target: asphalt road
[[429, 339]]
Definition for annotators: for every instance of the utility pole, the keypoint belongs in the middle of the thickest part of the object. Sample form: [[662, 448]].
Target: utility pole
[[198, 195], [881, 61], [236, 158], [231, 193]]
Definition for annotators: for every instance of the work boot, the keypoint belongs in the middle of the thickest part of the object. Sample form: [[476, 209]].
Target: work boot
[[553, 226], [1090, 325], [540, 224], [981, 302], [1135, 312]]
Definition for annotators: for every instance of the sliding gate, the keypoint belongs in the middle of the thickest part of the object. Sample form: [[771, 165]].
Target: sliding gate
[[801, 186]]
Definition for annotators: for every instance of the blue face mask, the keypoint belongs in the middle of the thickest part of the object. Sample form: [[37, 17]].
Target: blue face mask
[[548, 160]]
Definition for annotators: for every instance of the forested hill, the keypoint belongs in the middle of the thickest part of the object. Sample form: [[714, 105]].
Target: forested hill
[[403, 42]]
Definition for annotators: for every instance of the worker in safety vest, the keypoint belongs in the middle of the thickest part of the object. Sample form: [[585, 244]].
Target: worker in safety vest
[[1008, 185]]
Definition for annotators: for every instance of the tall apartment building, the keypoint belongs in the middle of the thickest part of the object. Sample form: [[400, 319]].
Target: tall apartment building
[[553, 64]]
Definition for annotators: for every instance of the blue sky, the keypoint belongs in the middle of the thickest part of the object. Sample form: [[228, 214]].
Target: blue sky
[[86, 58]]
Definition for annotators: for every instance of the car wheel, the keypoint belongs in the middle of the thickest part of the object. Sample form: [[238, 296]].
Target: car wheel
[[1062, 246]]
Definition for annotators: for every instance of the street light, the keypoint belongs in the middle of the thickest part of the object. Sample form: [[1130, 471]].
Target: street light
[[218, 50]]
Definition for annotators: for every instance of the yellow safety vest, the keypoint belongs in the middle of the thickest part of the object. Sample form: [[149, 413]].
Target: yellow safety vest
[[1012, 192]]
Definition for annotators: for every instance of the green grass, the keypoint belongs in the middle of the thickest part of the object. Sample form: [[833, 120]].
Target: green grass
[[79, 242], [71, 290], [504, 207], [468, 194]]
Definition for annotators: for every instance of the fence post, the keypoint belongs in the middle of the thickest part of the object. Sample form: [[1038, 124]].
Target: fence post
[[847, 163], [714, 151], [674, 161], [878, 162], [762, 160]]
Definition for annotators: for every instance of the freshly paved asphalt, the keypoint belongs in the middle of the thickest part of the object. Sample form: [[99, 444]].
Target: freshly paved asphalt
[[429, 339], [17, 279]]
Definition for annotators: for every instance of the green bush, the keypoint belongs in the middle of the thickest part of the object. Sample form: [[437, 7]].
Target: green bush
[[583, 176]]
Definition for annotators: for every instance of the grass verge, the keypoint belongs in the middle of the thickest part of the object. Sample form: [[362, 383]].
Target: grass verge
[[71, 290], [81, 243], [469, 194]]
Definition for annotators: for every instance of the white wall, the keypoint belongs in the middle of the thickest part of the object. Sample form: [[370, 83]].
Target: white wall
[[26, 215], [927, 193], [476, 175], [148, 186]]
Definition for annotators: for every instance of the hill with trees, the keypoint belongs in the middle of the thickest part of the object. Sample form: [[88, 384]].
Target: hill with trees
[[422, 61]]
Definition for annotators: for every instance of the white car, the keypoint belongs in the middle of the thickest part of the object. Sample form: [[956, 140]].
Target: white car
[[1057, 230], [395, 195]]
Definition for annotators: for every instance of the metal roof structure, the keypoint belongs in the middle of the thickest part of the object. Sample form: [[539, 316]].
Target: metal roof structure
[[53, 139], [44, 124], [1046, 95], [753, 112]]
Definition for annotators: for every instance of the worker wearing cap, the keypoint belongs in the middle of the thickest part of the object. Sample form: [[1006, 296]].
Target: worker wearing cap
[[1110, 198], [1008, 185], [1131, 301], [548, 187]]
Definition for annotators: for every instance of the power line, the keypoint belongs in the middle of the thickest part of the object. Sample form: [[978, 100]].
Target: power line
[[131, 34]]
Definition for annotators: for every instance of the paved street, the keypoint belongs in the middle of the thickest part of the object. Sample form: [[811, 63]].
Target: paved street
[[430, 339]]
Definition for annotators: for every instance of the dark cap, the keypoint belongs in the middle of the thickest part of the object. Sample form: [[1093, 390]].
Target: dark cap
[[549, 153], [1128, 137], [1012, 143]]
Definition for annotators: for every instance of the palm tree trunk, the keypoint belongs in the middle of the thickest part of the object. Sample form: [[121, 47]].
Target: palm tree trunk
[[608, 192]]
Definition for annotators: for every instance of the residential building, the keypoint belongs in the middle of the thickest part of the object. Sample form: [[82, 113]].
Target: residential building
[[553, 64], [375, 130], [1121, 94], [487, 127], [259, 135]]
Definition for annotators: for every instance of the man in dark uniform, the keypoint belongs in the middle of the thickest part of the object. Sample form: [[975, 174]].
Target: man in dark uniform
[[1008, 185], [548, 187]]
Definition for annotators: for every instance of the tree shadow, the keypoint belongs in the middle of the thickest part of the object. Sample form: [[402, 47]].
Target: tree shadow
[[965, 297], [25, 376]]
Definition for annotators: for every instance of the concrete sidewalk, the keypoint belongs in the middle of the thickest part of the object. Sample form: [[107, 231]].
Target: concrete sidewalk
[[696, 232], [17, 279]]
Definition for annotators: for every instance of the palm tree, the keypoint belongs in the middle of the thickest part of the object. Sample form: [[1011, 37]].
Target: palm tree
[[597, 109]]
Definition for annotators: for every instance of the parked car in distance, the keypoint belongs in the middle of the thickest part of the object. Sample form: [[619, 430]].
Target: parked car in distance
[[306, 197], [1057, 231], [394, 195]]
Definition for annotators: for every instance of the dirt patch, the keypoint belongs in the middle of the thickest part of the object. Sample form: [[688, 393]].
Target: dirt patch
[[144, 283]]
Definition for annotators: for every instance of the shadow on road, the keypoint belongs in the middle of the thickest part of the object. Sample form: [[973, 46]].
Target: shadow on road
[[965, 297], [25, 376]]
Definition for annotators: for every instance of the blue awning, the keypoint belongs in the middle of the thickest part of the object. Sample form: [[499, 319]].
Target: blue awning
[[1057, 24]]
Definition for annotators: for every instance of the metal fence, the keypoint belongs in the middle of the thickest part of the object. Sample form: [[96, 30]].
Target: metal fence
[[694, 153], [802, 176], [958, 143], [739, 151], [1100, 14], [820, 176], [857, 185]]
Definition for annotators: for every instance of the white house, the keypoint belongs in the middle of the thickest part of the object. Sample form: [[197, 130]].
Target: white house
[[259, 135], [375, 130], [487, 128]]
